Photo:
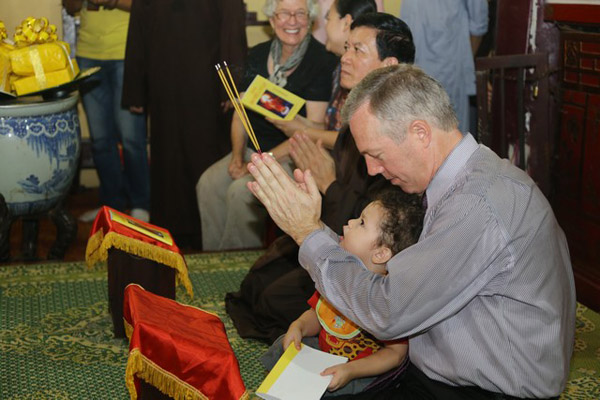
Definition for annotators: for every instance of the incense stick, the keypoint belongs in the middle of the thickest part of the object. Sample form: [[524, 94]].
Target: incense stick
[[236, 105], [234, 96], [242, 106]]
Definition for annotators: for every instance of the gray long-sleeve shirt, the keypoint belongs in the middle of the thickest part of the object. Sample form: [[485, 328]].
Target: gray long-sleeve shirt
[[442, 31], [486, 295]]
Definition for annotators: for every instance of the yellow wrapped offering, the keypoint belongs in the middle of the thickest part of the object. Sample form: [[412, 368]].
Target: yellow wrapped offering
[[3, 33], [35, 83], [34, 30], [4, 68], [35, 60], [47, 57]]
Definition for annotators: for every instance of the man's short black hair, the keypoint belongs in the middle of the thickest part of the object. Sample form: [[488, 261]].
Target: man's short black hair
[[394, 38], [402, 223]]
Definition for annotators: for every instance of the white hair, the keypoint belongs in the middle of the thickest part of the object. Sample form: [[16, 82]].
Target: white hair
[[399, 94], [311, 5]]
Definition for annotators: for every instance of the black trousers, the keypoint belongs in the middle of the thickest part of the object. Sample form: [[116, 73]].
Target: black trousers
[[415, 385]]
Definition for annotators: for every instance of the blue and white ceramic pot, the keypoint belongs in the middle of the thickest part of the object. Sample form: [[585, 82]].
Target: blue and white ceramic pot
[[39, 153]]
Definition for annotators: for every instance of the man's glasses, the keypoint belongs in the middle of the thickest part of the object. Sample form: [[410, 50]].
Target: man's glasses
[[284, 16]]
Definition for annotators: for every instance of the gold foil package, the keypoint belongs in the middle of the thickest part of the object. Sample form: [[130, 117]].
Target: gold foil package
[[25, 61], [4, 69], [34, 31], [3, 33], [32, 84], [36, 60]]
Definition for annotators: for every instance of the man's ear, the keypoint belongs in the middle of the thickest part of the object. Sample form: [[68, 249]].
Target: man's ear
[[381, 255], [422, 130], [390, 61]]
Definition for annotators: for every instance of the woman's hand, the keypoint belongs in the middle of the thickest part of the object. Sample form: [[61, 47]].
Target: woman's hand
[[306, 154], [226, 105], [298, 124], [237, 168], [342, 374], [109, 4], [72, 6]]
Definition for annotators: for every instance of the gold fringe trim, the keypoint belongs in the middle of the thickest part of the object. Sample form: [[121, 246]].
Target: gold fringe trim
[[98, 245], [167, 383], [92, 249], [128, 329]]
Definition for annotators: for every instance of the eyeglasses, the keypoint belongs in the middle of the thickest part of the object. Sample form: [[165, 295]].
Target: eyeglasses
[[284, 16]]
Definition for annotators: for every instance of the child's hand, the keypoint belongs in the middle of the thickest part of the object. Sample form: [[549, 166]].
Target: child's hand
[[342, 374], [294, 334]]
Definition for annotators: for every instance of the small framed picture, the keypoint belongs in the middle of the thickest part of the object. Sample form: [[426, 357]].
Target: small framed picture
[[149, 230], [270, 100], [275, 104]]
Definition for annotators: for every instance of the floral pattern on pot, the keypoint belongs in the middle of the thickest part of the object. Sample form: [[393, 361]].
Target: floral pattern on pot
[[38, 154]]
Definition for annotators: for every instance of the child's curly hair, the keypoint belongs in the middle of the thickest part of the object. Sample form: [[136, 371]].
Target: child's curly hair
[[403, 218]]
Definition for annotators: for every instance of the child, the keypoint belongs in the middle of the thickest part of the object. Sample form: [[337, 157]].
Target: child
[[390, 223]]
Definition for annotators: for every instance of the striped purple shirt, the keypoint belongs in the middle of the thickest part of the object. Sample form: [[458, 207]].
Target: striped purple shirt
[[486, 295]]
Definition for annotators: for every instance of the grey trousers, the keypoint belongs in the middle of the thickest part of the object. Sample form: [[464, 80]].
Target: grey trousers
[[273, 353], [232, 218]]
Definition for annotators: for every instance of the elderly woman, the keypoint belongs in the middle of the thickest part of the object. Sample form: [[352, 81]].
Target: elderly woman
[[339, 18], [231, 217]]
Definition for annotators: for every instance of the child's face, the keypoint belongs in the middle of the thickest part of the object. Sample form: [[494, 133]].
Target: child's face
[[361, 236]]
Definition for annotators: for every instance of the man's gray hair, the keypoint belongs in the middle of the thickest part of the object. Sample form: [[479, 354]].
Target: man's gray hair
[[398, 95], [311, 5]]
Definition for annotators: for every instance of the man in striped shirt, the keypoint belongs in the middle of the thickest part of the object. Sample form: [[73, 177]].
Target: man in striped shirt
[[487, 294]]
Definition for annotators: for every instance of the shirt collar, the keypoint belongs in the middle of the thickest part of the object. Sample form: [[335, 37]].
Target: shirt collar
[[447, 172]]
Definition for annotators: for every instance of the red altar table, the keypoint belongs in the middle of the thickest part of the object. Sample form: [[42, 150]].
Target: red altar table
[[180, 350], [137, 252]]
